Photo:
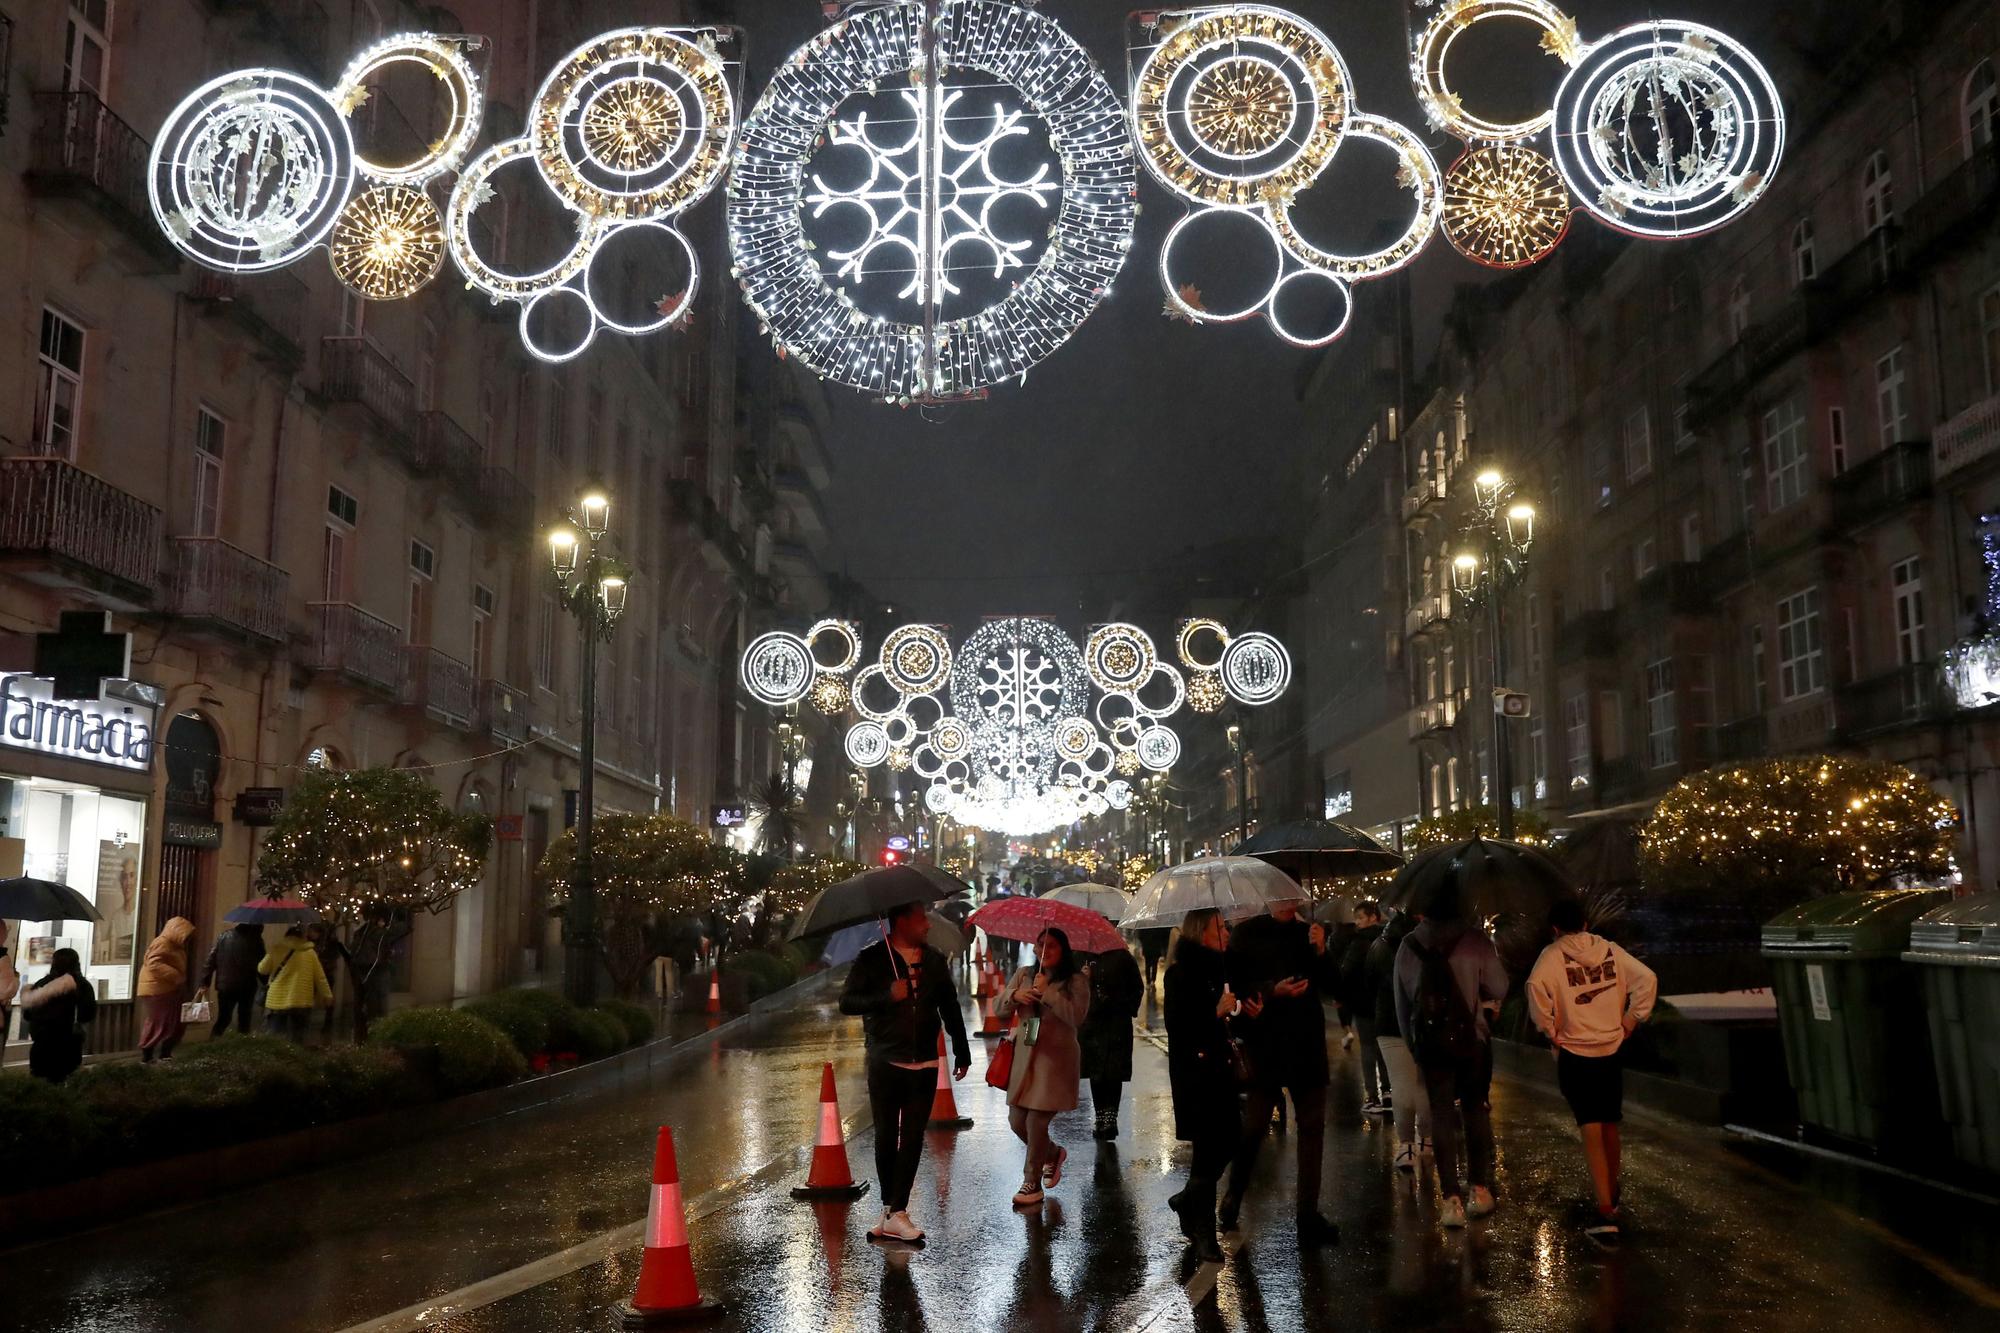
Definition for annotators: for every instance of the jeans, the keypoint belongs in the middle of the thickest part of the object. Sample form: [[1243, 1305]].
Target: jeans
[[290, 1024], [1406, 1086], [1469, 1082], [1105, 1094], [235, 1004], [1374, 1073], [1310, 1104], [901, 1102]]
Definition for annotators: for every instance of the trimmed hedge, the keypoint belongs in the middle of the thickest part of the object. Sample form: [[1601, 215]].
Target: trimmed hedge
[[526, 1023], [763, 972], [463, 1052], [47, 1133], [598, 1034], [636, 1019]]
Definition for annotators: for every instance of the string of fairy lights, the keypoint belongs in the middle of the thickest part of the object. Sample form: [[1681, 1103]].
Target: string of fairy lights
[[984, 169]]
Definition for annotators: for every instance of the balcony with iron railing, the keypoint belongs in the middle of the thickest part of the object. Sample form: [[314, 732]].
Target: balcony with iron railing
[[1744, 738], [1677, 587], [353, 370], [1907, 696], [442, 686], [1953, 205], [1898, 476], [449, 449], [349, 642], [211, 581], [1426, 496], [503, 712], [504, 503], [77, 530], [271, 307], [83, 150], [1433, 610], [1586, 636], [1436, 715]]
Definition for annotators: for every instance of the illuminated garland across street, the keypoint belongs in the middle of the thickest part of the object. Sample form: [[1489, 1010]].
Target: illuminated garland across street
[[1015, 745]]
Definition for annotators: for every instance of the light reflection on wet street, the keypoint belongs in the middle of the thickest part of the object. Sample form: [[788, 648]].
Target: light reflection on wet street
[[1721, 1237]]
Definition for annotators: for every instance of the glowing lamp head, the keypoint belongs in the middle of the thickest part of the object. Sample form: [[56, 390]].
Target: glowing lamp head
[[1235, 736], [1465, 571], [562, 550], [1488, 483], [612, 590], [596, 507], [1521, 524]]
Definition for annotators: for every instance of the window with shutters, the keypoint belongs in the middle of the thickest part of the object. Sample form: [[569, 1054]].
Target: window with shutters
[[210, 441]]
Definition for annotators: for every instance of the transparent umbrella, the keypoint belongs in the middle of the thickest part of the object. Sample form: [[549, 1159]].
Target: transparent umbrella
[[1236, 886]]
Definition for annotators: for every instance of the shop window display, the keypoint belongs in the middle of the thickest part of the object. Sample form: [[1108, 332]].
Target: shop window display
[[93, 841]]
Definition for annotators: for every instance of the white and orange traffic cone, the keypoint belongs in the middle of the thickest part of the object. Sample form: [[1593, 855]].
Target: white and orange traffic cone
[[667, 1293], [829, 1177], [944, 1106], [715, 987], [989, 1022]]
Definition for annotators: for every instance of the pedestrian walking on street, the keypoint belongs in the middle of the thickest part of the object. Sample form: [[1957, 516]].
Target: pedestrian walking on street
[[332, 961], [1201, 1071], [903, 991], [57, 1009], [1153, 944], [1412, 1104], [1587, 996], [1106, 1035], [1378, 1096], [1448, 979], [232, 970], [1052, 998], [162, 987], [298, 986], [10, 983], [1280, 966]]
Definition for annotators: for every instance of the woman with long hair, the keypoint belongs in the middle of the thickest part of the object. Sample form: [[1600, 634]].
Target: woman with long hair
[[1051, 997], [56, 1009], [1201, 1070]]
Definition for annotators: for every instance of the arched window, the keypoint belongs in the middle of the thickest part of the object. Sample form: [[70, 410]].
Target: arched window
[[1980, 103], [1878, 198], [1805, 263], [1739, 309]]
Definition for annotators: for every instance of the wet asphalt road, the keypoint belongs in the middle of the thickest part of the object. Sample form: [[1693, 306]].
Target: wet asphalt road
[[1720, 1236]]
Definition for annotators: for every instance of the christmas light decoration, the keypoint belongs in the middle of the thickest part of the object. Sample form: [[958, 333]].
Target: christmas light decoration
[[457, 94], [830, 694], [1668, 129], [777, 668], [1119, 657], [930, 192], [387, 243], [867, 744], [1255, 668], [1432, 48], [1192, 634], [1205, 692], [1505, 206], [1159, 748], [846, 636], [1237, 109], [916, 658]]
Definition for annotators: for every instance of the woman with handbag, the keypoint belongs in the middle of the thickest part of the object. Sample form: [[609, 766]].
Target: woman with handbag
[[56, 1009], [298, 986], [163, 980], [1202, 1068], [1051, 998]]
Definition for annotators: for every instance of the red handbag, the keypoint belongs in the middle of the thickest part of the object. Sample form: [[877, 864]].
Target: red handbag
[[1000, 1065]]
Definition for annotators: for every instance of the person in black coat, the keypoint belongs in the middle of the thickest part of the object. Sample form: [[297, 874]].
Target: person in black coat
[[903, 990], [56, 1009], [1106, 1035], [1280, 966], [1360, 1001], [1153, 944], [1412, 1106], [232, 970], [1201, 1072]]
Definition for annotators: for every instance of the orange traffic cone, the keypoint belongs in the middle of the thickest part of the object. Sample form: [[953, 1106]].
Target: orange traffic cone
[[667, 1293], [715, 987], [944, 1107], [829, 1177], [989, 1022]]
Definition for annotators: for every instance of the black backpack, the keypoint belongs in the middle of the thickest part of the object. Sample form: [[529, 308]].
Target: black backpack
[[1441, 1028]]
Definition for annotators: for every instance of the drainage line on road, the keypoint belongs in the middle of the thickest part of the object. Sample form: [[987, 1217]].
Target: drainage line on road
[[1850, 1159]]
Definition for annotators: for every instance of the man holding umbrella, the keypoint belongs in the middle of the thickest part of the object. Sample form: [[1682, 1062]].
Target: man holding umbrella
[[903, 991]]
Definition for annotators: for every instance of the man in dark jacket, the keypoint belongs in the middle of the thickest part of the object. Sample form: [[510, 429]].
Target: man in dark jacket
[[1360, 1001], [1280, 967], [902, 989], [232, 967]]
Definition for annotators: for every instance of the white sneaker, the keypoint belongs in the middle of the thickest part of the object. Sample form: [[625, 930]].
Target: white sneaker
[[1347, 1039], [883, 1230], [1452, 1214], [1482, 1202], [901, 1227], [1406, 1158]]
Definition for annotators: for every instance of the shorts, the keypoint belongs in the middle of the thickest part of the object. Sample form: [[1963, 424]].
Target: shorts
[[1593, 1085]]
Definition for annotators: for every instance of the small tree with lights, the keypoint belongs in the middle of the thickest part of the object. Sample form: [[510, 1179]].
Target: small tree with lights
[[1480, 821], [652, 872], [1778, 831], [369, 849]]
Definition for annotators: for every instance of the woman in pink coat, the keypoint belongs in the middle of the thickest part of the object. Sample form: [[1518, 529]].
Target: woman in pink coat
[[1051, 997]]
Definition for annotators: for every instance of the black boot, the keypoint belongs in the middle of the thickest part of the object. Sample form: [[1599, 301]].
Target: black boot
[[1198, 1219]]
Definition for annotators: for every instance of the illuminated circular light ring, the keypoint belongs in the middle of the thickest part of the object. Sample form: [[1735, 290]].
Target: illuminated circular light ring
[[1299, 338], [1119, 657], [809, 318], [1097, 764], [916, 658], [556, 355], [939, 798], [925, 762], [670, 308], [1075, 737], [1177, 693], [1184, 638], [1128, 763], [951, 739], [468, 195], [1118, 794], [900, 728], [1175, 285], [867, 744], [387, 243], [1505, 206], [1205, 692], [635, 123], [1218, 105], [777, 669], [1159, 748], [458, 84], [1417, 172], [1256, 668], [1700, 82], [1432, 50], [849, 636], [250, 171], [873, 671], [1114, 721], [830, 694]]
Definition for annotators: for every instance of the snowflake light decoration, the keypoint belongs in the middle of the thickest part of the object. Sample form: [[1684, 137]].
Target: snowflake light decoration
[[388, 242], [934, 199]]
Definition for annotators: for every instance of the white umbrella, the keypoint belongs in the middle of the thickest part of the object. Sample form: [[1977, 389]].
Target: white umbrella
[[1236, 886], [1112, 904]]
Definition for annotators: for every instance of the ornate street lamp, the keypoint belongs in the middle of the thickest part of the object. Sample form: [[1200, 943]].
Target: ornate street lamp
[[1499, 534], [1242, 782], [592, 587]]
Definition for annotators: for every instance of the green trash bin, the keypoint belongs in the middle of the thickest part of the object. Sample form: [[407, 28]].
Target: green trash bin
[[1857, 1044], [1956, 950]]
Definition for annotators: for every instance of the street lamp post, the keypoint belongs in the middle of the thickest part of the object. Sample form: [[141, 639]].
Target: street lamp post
[[592, 588], [1242, 782], [1499, 534]]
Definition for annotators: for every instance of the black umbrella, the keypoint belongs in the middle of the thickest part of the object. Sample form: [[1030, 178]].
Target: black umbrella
[[1479, 878], [1318, 849], [44, 900], [1603, 853], [272, 912], [869, 895]]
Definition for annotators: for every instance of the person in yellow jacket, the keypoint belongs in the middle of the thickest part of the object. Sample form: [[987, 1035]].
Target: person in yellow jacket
[[298, 986], [163, 984]]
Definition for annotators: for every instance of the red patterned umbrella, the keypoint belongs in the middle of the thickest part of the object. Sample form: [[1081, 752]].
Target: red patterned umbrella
[[1025, 918]]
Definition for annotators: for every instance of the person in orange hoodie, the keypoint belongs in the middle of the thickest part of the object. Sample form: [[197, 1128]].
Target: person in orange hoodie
[[163, 983]]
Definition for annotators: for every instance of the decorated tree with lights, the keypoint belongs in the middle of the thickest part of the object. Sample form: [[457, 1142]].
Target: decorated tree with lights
[[1778, 831], [793, 885], [369, 849], [1480, 821], [653, 873]]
